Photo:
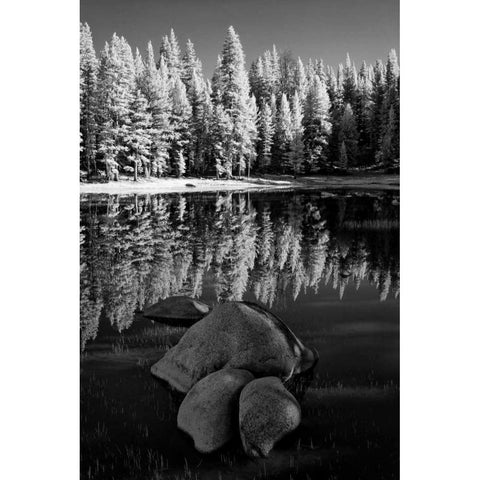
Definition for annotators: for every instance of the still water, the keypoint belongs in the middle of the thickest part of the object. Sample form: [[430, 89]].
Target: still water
[[327, 263]]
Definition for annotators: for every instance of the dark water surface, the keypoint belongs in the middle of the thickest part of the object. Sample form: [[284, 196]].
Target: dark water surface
[[327, 263]]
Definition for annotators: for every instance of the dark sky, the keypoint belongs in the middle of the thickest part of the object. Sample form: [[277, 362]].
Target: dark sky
[[327, 29]]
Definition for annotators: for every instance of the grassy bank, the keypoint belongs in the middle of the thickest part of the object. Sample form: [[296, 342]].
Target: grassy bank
[[168, 185]]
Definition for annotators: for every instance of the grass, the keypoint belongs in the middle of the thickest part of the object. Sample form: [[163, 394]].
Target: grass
[[128, 430], [349, 427]]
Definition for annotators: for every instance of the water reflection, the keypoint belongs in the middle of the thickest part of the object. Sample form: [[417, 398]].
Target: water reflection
[[138, 249]]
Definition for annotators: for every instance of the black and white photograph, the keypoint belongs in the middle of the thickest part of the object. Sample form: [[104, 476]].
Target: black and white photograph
[[207, 207], [239, 240], [204, 226]]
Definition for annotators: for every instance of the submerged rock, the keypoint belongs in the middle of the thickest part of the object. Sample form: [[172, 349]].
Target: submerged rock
[[234, 335], [267, 413], [209, 411], [177, 308]]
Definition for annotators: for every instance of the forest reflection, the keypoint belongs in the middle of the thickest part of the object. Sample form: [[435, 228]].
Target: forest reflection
[[138, 249]]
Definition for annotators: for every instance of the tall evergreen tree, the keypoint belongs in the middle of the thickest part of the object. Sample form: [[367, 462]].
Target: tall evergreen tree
[[155, 87], [387, 152], [283, 136], [117, 79], [378, 105], [88, 99], [288, 66], [221, 138], [349, 82], [266, 130], [301, 83], [138, 140], [180, 119], [191, 66], [235, 97], [139, 69], [362, 111], [199, 122], [317, 125], [348, 134], [170, 49], [297, 149]]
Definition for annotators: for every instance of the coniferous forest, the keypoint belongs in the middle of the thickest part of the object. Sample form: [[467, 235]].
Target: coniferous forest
[[146, 117]]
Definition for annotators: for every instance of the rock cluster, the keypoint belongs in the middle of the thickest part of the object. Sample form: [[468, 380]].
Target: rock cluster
[[231, 365]]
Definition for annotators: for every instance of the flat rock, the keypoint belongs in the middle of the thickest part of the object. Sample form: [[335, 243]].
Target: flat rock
[[267, 413], [234, 335], [209, 411], [177, 308]]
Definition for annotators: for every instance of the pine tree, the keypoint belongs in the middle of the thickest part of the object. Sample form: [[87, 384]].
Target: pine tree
[[301, 83], [310, 72], [221, 135], [297, 150], [392, 103], [283, 135], [138, 139], [117, 81], [170, 50], [348, 134], [252, 133], [275, 69], [362, 111], [199, 122], [234, 86], [317, 125], [139, 69], [256, 80], [320, 71], [387, 153], [266, 130], [191, 66], [288, 66], [378, 105], [88, 99], [217, 87], [180, 120], [155, 89], [349, 82]]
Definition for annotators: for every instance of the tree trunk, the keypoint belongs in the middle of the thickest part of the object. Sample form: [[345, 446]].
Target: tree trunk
[[135, 172], [107, 169]]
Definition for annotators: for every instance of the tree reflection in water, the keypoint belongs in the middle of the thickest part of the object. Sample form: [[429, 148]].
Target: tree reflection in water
[[138, 249]]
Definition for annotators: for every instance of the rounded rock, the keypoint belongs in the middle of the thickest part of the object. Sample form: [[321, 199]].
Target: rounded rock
[[209, 411], [267, 412], [234, 335], [177, 308]]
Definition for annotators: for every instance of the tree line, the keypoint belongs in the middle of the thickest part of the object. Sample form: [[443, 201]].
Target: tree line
[[137, 250], [156, 118]]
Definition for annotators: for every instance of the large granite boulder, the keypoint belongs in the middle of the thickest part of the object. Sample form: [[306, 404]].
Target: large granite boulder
[[267, 413], [177, 308], [209, 411], [234, 335]]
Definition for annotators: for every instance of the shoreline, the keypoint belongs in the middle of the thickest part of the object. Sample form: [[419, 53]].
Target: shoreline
[[182, 185]]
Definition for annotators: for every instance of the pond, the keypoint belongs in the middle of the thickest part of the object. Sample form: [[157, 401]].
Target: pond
[[327, 263]]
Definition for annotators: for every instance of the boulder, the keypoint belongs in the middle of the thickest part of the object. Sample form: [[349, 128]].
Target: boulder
[[267, 412], [177, 308], [234, 335], [209, 411]]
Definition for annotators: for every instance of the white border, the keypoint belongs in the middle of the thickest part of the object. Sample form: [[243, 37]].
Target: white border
[[439, 239]]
